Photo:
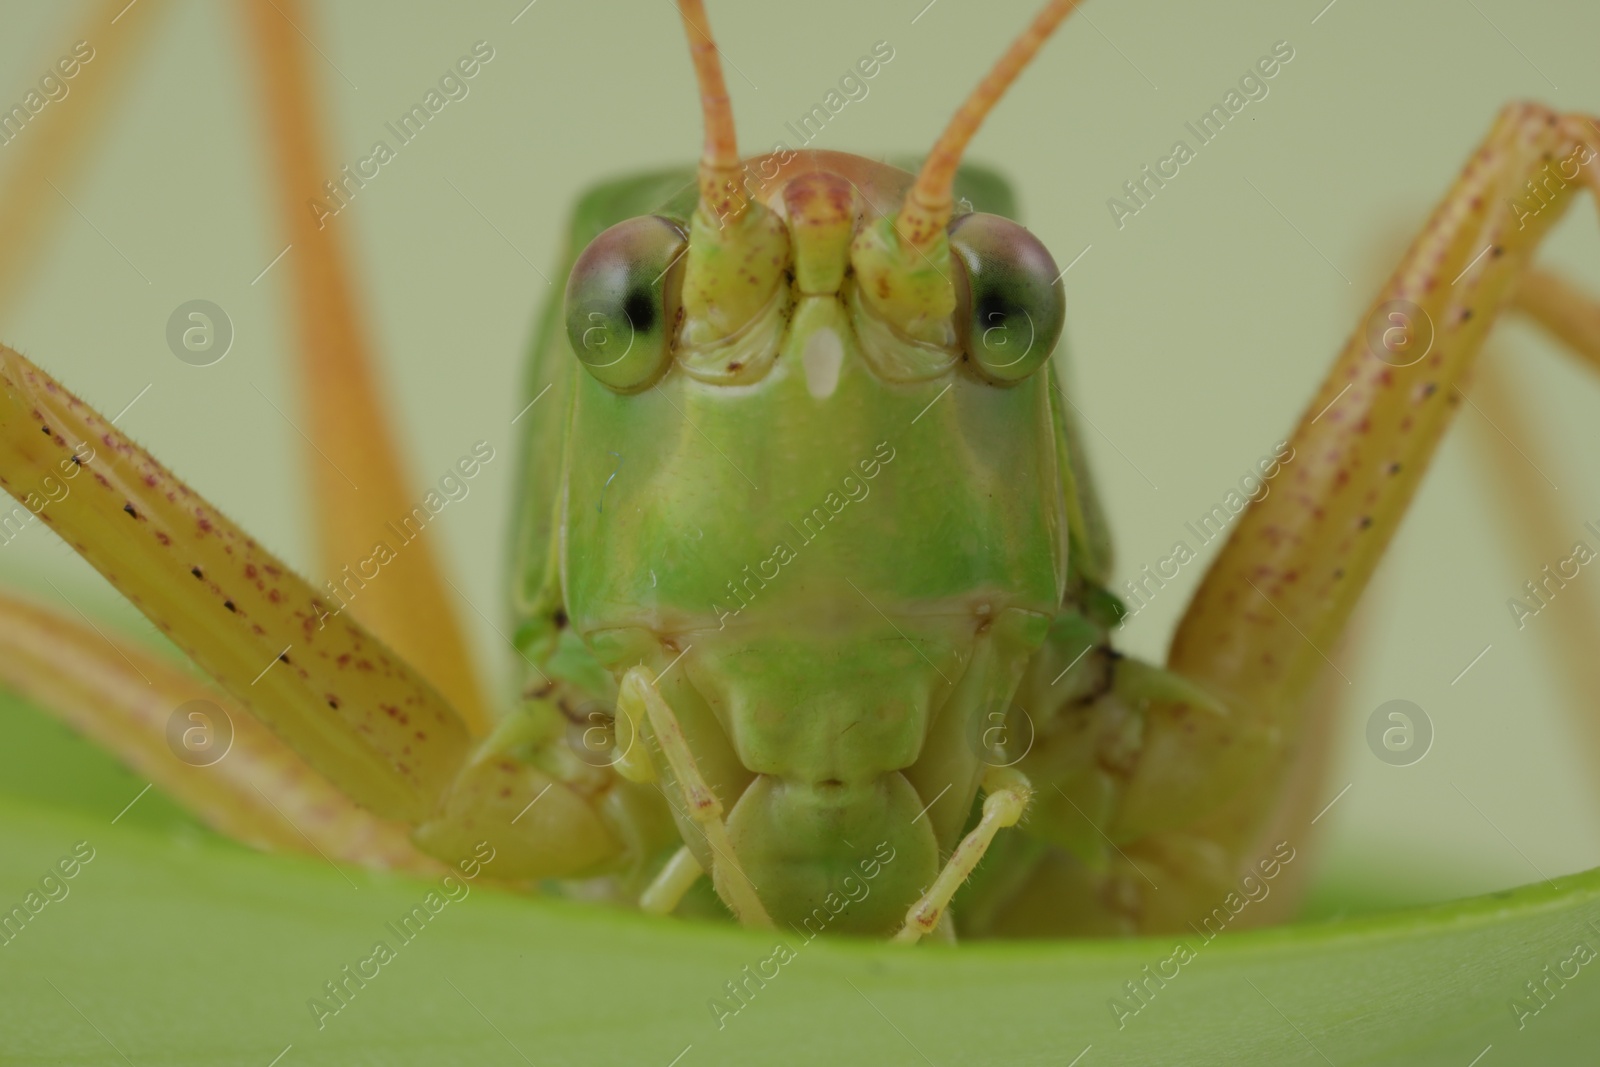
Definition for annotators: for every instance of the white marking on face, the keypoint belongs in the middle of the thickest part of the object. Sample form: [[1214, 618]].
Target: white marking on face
[[822, 357]]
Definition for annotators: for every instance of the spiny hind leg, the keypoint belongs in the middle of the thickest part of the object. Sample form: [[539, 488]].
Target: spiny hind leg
[[1572, 317], [1277, 598], [211, 757], [318, 680], [1173, 774]]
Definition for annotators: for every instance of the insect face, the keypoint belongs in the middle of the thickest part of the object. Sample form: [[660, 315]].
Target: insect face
[[849, 540]]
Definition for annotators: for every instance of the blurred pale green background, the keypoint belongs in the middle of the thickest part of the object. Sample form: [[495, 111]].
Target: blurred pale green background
[[1198, 331]]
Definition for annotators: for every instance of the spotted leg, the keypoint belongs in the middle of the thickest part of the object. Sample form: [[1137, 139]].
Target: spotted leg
[[1279, 594], [318, 682], [191, 741]]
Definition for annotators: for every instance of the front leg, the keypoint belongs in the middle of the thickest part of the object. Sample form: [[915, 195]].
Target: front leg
[[1277, 599], [1085, 723], [1160, 783], [190, 741], [363, 721], [1007, 794]]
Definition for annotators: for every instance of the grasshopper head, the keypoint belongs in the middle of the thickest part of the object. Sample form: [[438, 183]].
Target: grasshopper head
[[812, 483], [714, 296]]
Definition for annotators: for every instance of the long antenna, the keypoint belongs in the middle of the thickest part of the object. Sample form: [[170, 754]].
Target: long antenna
[[720, 159], [928, 203]]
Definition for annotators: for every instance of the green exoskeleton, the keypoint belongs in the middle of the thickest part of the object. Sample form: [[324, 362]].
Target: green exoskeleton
[[850, 543], [842, 465], [809, 575]]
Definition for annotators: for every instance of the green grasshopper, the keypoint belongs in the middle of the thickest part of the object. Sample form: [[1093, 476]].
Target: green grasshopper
[[810, 578]]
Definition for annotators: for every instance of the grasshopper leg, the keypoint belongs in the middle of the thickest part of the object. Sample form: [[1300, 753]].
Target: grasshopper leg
[[1536, 524], [1563, 310], [28, 203], [663, 895], [1164, 782], [214, 758], [1571, 315], [1008, 792], [411, 610], [638, 698], [317, 680], [1280, 593]]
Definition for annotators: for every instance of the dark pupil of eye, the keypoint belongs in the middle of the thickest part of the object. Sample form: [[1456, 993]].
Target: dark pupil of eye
[[996, 310], [641, 311]]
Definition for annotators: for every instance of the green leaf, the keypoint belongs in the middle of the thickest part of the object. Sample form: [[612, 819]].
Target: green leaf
[[175, 947]]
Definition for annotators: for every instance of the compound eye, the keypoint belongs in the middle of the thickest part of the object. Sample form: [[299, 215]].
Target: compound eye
[[1010, 303], [622, 302]]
